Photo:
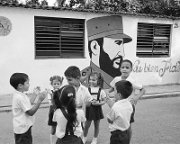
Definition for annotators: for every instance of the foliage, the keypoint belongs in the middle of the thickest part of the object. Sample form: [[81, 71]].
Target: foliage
[[150, 7]]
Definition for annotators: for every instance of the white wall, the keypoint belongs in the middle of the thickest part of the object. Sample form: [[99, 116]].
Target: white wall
[[17, 51], [153, 71]]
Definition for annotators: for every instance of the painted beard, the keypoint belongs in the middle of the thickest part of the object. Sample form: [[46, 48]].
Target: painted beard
[[106, 64]]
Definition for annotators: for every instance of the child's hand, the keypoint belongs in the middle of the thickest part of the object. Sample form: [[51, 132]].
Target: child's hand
[[48, 91], [37, 90], [95, 102], [42, 96]]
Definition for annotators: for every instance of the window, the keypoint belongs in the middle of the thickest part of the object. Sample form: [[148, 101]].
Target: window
[[153, 40], [59, 37]]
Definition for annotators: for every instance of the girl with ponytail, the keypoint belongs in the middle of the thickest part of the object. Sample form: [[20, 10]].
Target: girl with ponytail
[[68, 118]]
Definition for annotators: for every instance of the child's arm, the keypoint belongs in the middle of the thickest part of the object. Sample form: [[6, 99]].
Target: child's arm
[[32, 96], [33, 110], [111, 90], [109, 102], [134, 99]]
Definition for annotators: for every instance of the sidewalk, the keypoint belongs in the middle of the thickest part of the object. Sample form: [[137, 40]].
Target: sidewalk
[[155, 91]]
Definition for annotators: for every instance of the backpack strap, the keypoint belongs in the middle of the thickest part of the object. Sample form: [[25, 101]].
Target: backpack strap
[[69, 127], [98, 93], [132, 115]]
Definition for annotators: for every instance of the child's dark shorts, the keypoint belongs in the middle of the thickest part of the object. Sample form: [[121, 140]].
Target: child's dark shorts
[[51, 113], [69, 139], [120, 137], [25, 138]]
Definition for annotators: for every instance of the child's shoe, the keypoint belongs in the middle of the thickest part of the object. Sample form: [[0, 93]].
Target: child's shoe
[[84, 139], [94, 141]]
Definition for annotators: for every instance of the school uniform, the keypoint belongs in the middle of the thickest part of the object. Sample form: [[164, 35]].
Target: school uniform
[[22, 122], [120, 115], [82, 97], [94, 112], [64, 135]]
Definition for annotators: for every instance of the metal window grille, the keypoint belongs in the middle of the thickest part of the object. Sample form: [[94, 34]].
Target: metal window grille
[[153, 40], [59, 37]]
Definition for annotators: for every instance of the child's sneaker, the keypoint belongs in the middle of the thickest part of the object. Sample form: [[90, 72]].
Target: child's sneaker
[[94, 141], [84, 139]]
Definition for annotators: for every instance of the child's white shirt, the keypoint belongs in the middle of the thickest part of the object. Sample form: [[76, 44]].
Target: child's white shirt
[[82, 96], [20, 105], [62, 122], [95, 90], [135, 84], [120, 114]]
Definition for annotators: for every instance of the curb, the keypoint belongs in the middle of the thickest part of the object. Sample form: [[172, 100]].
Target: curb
[[160, 95]]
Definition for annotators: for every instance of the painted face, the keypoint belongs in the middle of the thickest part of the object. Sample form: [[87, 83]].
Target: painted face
[[56, 84], [93, 81], [73, 81], [26, 85], [111, 56], [125, 69]]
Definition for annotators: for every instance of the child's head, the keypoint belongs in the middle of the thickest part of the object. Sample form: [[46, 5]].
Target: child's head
[[95, 79], [65, 98], [126, 68], [73, 75], [123, 89], [56, 81], [20, 81]]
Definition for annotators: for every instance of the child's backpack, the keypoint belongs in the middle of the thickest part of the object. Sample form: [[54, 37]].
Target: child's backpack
[[69, 137]]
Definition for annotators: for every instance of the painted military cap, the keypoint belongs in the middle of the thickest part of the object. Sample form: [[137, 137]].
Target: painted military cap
[[107, 26]]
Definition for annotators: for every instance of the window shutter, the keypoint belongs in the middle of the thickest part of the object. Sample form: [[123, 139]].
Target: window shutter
[[59, 37], [153, 40]]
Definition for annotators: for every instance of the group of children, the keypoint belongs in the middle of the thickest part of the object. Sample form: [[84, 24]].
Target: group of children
[[73, 107]]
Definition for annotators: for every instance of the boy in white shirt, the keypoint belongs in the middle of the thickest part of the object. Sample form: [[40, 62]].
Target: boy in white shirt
[[22, 108], [121, 113], [126, 69]]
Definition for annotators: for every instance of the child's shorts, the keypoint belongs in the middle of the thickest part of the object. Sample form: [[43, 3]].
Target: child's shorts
[[25, 138], [51, 113], [120, 137], [69, 139]]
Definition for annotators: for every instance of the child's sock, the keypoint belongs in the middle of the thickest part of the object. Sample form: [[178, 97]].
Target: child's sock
[[51, 139], [94, 141], [84, 139]]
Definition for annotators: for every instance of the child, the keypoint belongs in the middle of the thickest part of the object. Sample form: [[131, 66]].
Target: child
[[83, 96], [68, 118], [120, 115], [22, 108], [94, 111], [56, 82], [126, 69]]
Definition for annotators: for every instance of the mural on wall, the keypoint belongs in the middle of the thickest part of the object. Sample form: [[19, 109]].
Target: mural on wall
[[166, 66], [5, 26], [106, 41]]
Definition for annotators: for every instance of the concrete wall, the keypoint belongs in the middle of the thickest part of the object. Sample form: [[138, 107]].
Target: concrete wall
[[17, 51]]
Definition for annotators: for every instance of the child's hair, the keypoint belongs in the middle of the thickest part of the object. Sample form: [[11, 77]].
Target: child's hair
[[100, 79], [18, 78], [126, 60], [124, 87], [65, 98], [73, 72], [56, 77]]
